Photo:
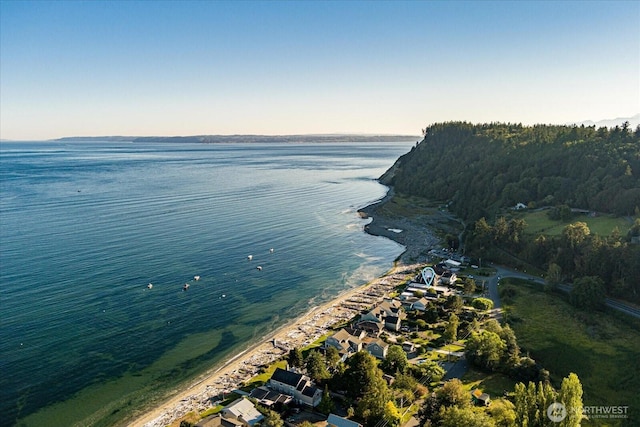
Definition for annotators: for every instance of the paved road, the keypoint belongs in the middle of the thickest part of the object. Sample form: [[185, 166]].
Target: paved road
[[492, 286]]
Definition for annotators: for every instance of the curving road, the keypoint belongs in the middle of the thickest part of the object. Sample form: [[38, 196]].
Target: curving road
[[492, 287]]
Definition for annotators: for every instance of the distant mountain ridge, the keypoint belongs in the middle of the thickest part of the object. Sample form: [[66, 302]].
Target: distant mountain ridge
[[212, 139], [633, 122]]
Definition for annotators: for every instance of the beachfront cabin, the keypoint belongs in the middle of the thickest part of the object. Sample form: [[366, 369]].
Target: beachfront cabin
[[453, 264], [371, 329], [218, 420], [440, 268], [244, 411], [336, 421], [419, 286], [448, 278], [296, 385]]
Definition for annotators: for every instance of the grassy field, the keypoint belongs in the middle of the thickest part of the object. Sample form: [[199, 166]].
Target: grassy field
[[602, 348], [495, 383], [538, 222], [409, 206]]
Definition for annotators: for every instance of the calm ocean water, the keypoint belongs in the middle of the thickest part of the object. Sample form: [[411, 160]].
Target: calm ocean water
[[84, 227]]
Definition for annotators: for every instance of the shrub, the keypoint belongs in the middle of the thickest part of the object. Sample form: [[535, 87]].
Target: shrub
[[482, 303]]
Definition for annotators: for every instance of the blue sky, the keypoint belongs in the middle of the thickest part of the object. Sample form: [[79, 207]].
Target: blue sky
[[204, 67]]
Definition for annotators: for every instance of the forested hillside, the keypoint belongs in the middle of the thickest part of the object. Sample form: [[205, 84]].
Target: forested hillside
[[483, 168]]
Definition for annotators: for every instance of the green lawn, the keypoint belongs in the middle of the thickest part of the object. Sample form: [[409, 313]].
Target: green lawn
[[603, 349], [495, 383], [409, 206], [262, 378], [539, 223]]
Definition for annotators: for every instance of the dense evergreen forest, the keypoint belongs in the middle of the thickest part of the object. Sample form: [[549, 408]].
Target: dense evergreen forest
[[481, 171]]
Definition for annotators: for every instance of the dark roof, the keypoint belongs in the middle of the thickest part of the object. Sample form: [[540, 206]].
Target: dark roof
[[264, 394], [368, 324], [286, 377], [310, 391]]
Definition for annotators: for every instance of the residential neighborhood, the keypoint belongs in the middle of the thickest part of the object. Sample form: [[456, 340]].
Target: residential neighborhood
[[404, 330]]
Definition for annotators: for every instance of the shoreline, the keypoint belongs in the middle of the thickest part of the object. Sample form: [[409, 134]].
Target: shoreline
[[230, 374]]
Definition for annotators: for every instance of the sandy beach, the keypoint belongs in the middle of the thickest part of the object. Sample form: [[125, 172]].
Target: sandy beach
[[200, 395]]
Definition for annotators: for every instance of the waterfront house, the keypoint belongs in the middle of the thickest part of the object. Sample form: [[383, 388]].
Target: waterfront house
[[242, 410], [440, 268], [448, 278], [388, 313], [370, 328], [345, 342], [218, 420], [296, 385]]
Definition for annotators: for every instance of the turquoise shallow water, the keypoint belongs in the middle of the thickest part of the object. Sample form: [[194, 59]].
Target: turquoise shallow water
[[85, 226]]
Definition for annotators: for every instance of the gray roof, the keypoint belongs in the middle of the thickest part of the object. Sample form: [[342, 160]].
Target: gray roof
[[287, 377], [337, 421], [310, 391]]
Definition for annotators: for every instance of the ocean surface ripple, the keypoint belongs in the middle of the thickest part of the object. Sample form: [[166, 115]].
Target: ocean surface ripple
[[86, 226]]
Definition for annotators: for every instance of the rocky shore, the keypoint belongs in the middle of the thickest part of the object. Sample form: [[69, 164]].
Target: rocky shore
[[201, 395], [412, 233]]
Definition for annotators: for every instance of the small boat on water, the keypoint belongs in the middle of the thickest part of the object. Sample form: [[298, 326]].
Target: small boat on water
[[250, 257], [185, 287], [150, 285], [259, 268], [196, 278], [271, 250]]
